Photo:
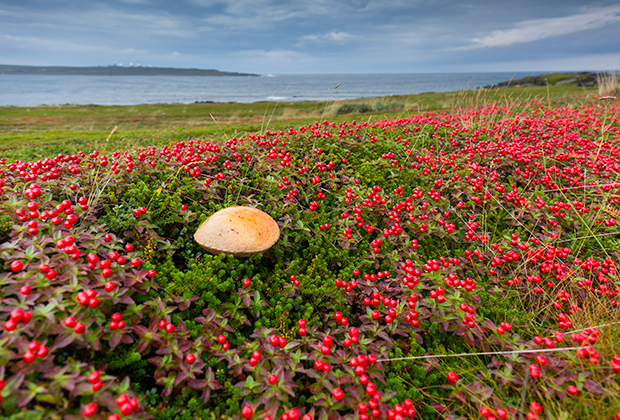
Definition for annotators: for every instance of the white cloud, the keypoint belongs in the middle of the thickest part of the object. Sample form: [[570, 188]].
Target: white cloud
[[586, 62], [537, 29], [279, 55], [136, 1], [337, 37], [63, 46]]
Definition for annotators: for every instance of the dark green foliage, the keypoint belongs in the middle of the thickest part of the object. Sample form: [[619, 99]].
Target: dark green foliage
[[340, 193], [354, 108]]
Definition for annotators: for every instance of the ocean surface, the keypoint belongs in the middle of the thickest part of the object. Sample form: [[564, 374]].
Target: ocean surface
[[32, 90]]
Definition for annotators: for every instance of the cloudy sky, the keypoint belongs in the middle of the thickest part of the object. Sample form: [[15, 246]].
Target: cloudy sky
[[315, 36]]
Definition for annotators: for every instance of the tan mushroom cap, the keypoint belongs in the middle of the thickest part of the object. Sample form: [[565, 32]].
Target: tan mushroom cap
[[240, 231]]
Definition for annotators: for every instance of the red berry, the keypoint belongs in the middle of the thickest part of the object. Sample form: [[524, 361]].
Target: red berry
[[453, 377], [109, 286], [34, 346], [97, 386], [190, 358], [94, 377], [29, 357], [122, 399], [170, 328], [247, 412], [90, 409], [43, 351], [17, 265], [82, 298], [79, 328], [273, 378], [25, 290], [572, 389], [126, 409], [17, 315], [293, 414], [70, 322], [338, 394]]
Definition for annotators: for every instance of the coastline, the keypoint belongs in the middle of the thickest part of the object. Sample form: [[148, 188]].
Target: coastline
[[81, 90], [113, 71]]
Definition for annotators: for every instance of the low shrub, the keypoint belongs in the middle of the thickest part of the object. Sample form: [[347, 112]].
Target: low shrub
[[354, 108], [442, 265]]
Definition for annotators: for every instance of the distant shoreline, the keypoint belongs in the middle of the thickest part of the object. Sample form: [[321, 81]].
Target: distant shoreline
[[583, 78], [112, 71]]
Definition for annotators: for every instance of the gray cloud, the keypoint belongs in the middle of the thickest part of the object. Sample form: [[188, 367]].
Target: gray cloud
[[537, 29], [302, 36]]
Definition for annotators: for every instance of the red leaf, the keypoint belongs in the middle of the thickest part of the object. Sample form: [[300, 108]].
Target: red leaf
[[63, 340], [592, 386], [115, 339], [197, 383]]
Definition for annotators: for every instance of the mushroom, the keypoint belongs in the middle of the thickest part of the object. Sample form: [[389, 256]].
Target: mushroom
[[240, 231]]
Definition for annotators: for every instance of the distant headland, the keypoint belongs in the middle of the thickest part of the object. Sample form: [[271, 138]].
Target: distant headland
[[584, 78], [113, 71]]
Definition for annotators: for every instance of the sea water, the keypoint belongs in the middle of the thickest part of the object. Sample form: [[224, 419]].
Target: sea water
[[33, 90]]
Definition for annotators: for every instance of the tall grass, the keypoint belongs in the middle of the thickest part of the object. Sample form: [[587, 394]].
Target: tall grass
[[608, 83]]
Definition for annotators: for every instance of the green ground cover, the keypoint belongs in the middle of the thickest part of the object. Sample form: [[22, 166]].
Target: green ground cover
[[45, 125], [453, 259]]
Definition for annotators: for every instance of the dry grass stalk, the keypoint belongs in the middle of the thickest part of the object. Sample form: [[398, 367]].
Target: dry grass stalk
[[608, 83]]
